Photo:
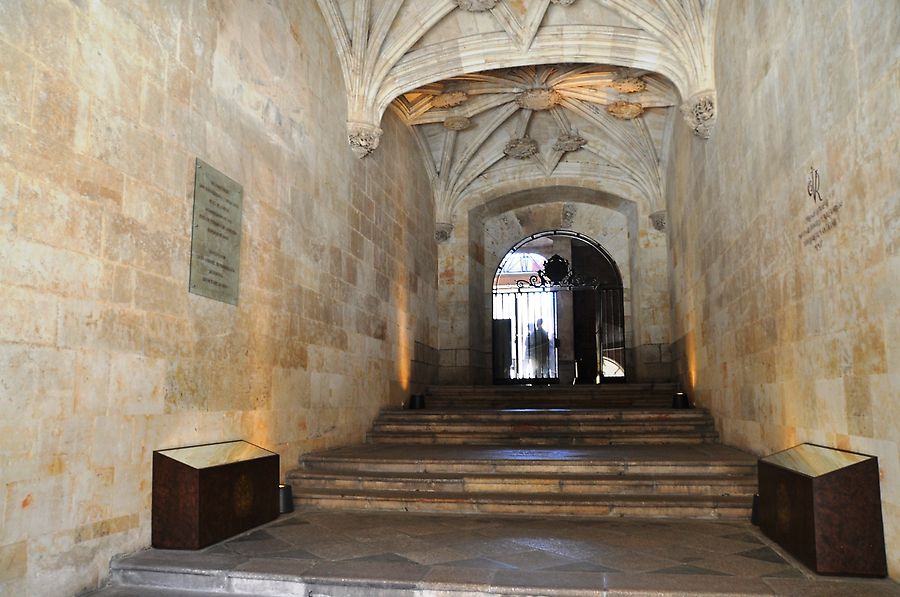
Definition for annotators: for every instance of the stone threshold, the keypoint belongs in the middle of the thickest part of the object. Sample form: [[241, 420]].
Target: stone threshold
[[268, 578], [326, 579]]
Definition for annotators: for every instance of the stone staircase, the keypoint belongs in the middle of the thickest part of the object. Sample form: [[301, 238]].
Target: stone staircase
[[544, 459], [640, 395], [544, 427]]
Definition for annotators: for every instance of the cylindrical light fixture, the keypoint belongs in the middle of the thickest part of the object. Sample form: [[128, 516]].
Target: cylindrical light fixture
[[285, 499]]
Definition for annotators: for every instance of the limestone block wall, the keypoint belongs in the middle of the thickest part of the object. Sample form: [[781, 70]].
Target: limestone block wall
[[787, 311], [460, 303], [104, 356]]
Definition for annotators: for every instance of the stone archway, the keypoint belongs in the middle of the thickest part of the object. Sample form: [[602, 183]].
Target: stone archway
[[468, 259], [558, 312]]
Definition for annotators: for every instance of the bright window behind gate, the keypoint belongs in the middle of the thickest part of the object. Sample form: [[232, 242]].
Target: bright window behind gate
[[571, 331], [532, 340]]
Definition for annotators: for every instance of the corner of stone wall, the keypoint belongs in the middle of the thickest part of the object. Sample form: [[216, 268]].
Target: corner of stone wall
[[652, 362], [463, 366], [425, 364]]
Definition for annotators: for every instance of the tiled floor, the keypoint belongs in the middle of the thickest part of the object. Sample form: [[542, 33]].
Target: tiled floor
[[421, 554]]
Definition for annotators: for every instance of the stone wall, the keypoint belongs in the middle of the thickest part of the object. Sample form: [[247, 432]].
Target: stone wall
[[104, 356], [787, 319]]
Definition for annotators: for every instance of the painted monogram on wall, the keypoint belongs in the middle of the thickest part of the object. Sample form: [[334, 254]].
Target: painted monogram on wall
[[823, 218], [812, 185]]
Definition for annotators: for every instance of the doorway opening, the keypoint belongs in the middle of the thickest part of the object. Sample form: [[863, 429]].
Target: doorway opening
[[558, 313]]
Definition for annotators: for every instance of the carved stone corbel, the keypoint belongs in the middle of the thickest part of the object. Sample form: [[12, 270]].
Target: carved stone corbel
[[700, 113], [658, 220], [363, 137], [443, 231]]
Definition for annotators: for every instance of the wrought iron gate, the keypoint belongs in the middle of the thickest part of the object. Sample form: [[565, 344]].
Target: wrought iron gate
[[526, 341], [610, 323], [525, 337]]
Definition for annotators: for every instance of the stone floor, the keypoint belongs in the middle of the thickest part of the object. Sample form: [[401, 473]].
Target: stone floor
[[326, 553]]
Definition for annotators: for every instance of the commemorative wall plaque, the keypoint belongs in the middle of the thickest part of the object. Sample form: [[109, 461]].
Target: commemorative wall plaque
[[216, 235]]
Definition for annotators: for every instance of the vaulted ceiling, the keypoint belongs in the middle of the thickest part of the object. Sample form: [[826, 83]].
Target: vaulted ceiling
[[520, 89]]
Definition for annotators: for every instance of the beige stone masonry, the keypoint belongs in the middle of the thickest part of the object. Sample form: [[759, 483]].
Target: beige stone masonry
[[784, 341], [104, 356]]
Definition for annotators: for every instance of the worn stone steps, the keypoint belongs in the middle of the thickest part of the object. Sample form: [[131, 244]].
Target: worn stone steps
[[505, 402], [573, 427], [544, 427], [590, 390], [607, 396], [543, 439], [560, 483], [555, 458], [544, 414], [648, 506], [643, 480], [495, 403], [574, 420], [606, 460]]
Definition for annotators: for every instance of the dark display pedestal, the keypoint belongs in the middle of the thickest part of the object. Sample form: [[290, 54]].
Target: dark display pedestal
[[204, 494], [824, 507]]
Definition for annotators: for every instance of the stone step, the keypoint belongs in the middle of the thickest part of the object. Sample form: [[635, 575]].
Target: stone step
[[610, 396], [591, 390], [545, 414], [544, 439], [493, 470], [700, 459], [710, 485], [544, 427], [560, 427], [534, 504], [505, 402]]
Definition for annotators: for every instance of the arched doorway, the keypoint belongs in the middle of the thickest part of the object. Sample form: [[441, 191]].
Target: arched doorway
[[558, 312]]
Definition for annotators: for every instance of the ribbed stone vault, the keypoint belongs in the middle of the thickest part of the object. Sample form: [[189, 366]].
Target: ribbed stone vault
[[540, 120], [535, 88]]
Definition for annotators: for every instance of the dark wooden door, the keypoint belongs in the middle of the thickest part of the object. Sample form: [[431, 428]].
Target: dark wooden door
[[584, 316], [502, 349]]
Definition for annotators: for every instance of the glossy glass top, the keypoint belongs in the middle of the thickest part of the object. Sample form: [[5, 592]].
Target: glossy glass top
[[216, 454], [814, 461]]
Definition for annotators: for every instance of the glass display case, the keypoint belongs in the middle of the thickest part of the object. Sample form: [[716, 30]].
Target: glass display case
[[824, 507], [204, 494]]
